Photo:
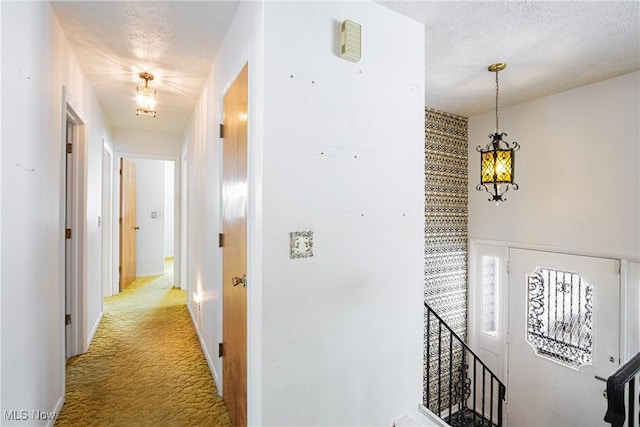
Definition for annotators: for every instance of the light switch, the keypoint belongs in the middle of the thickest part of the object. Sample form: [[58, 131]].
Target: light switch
[[300, 244], [154, 214]]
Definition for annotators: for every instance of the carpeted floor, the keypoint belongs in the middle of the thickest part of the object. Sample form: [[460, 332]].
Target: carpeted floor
[[145, 366]]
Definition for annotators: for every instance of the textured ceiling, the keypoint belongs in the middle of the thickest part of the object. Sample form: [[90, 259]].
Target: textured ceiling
[[548, 47], [175, 41]]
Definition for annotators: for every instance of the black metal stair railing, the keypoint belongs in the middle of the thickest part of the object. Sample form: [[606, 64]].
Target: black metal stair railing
[[460, 388], [623, 382]]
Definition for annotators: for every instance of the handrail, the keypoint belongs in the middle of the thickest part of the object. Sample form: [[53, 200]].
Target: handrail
[[446, 325], [616, 384], [464, 381]]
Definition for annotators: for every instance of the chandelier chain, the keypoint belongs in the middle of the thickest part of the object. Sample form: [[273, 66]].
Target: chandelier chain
[[497, 91]]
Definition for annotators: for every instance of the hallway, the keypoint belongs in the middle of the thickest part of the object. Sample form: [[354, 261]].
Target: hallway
[[145, 365]]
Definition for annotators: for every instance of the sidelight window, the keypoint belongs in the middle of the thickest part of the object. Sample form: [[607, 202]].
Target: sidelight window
[[490, 283]]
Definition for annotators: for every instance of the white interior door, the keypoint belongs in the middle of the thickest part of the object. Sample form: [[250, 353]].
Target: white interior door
[[563, 334]]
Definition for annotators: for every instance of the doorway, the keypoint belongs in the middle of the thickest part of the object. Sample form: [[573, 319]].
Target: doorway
[[106, 219], [148, 191], [73, 201]]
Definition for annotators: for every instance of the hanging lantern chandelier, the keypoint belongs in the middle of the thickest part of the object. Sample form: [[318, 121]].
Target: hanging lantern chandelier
[[497, 159], [145, 97]]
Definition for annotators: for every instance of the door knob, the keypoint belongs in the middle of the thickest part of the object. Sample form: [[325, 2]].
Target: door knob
[[235, 281], [136, 228]]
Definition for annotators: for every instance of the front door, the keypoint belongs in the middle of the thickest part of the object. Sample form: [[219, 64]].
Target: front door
[[234, 254], [563, 336], [128, 223]]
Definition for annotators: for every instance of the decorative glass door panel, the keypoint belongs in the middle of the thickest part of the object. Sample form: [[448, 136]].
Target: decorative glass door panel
[[563, 319], [560, 316]]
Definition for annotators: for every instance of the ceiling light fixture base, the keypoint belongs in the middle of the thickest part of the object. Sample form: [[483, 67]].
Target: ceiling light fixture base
[[147, 77], [497, 67]]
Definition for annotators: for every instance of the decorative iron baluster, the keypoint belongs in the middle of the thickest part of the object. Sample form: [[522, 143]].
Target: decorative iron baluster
[[428, 358], [450, 373], [632, 401], [491, 402], [439, 368], [475, 389], [484, 380]]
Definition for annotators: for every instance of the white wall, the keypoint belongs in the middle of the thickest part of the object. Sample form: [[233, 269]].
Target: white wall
[[344, 158], [169, 208], [335, 339], [150, 198], [37, 60], [578, 171], [143, 142]]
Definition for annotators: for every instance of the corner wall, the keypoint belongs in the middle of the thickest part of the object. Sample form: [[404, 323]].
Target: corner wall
[[344, 158], [37, 60]]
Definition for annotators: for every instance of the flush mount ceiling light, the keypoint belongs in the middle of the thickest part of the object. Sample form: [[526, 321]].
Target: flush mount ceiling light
[[145, 97], [497, 159]]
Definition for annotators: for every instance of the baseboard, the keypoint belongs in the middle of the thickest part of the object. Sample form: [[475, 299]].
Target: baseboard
[[56, 410], [93, 331], [431, 417], [207, 356]]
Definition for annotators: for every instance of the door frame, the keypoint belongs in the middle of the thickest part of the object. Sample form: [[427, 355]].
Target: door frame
[[115, 232], [107, 221], [184, 224], [629, 316], [78, 295], [254, 227]]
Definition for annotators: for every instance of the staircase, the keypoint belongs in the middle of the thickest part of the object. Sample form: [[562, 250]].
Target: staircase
[[460, 388], [621, 384]]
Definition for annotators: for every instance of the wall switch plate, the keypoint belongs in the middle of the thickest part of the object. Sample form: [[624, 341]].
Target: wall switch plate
[[154, 214], [300, 244]]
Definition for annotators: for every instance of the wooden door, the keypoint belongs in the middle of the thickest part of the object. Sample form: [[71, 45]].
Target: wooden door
[[563, 336], [234, 254], [128, 223]]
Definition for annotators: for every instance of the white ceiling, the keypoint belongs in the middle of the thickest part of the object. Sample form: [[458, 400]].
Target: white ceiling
[[548, 47], [176, 41]]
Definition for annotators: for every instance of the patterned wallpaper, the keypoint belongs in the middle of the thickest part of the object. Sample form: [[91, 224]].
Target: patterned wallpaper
[[446, 202]]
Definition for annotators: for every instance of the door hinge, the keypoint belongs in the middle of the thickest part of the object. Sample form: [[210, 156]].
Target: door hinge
[[119, 269], [120, 172], [67, 233], [69, 149], [221, 131], [67, 319], [120, 221], [220, 240], [508, 267], [220, 349]]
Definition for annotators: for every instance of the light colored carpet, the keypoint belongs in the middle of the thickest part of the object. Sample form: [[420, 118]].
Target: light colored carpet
[[145, 366]]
